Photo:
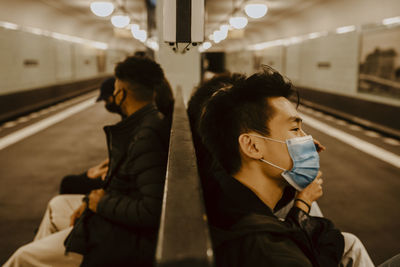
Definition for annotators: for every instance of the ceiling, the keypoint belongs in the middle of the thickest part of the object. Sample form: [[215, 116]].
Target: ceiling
[[77, 14], [219, 11]]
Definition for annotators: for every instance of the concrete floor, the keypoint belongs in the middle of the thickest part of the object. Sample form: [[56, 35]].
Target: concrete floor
[[361, 193], [31, 171]]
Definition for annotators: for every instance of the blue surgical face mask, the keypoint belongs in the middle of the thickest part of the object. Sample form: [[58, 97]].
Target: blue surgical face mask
[[305, 161]]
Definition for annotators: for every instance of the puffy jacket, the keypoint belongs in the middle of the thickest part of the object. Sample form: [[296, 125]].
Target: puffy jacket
[[123, 231], [251, 235]]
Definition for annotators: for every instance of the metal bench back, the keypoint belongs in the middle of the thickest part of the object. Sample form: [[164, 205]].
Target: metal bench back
[[184, 237]]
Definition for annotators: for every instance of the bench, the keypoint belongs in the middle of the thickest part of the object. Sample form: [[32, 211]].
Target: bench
[[184, 236]]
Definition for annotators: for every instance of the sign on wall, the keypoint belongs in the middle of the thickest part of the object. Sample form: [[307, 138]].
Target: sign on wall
[[380, 62]]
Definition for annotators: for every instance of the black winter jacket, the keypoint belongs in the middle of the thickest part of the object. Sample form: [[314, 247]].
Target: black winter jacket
[[123, 231], [252, 236]]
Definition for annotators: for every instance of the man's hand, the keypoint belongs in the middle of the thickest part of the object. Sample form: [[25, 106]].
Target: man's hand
[[77, 214], [103, 177], [94, 198], [98, 170], [319, 146], [311, 193]]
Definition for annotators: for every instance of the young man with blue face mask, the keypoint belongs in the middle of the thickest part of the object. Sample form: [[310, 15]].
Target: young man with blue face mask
[[255, 133]]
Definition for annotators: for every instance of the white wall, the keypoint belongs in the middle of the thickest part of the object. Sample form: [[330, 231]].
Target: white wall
[[85, 62], [112, 58], [58, 61], [240, 62], [341, 51], [328, 15], [273, 57], [338, 50], [299, 62]]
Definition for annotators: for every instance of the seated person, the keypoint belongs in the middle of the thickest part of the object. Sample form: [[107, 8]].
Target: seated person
[[118, 224], [93, 178], [209, 181], [254, 133]]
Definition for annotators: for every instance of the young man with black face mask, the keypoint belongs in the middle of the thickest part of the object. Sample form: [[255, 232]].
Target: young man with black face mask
[[254, 132], [93, 178], [116, 225], [107, 95]]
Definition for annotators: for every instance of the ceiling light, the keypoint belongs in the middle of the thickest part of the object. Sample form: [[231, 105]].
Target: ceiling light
[[256, 11], [8, 25], [238, 22], [345, 29], [120, 21], [141, 35], [102, 9], [224, 28], [314, 35], [220, 35], [134, 29], [153, 44], [206, 45], [389, 21]]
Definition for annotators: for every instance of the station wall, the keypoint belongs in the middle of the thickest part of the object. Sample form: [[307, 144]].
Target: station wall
[[33, 61], [327, 69]]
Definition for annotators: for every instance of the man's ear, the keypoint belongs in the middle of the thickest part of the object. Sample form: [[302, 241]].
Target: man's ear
[[250, 146]]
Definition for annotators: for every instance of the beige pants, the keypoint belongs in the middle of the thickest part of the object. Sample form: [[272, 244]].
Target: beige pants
[[47, 248], [355, 254]]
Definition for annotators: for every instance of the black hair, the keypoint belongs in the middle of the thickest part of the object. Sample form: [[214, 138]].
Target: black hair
[[240, 108], [202, 93], [164, 98], [142, 73], [208, 170]]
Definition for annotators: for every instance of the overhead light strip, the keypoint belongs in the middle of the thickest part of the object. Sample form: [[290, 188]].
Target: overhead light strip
[[55, 35]]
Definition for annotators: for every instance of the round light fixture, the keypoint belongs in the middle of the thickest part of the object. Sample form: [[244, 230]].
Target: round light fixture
[[256, 11], [134, 29], [238, 22], [206, 45], [141, 35], [220, 35], [224, 28], [120, 21], [102, 9]]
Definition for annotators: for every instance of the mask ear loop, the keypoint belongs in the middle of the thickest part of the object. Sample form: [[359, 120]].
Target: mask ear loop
[[122, 100], [263, 160], [273, 165], [279, 141]]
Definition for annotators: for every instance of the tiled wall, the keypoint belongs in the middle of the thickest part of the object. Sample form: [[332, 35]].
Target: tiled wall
[[328, 63], [30, 61]]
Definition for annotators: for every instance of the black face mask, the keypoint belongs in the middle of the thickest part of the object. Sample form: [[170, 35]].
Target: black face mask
[[114, 108]]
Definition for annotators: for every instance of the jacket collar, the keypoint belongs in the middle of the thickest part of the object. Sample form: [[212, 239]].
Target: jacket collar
[[132, 121], [238, 200]]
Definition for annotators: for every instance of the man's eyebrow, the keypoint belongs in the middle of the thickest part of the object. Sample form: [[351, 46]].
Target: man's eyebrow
[[295, 119]]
